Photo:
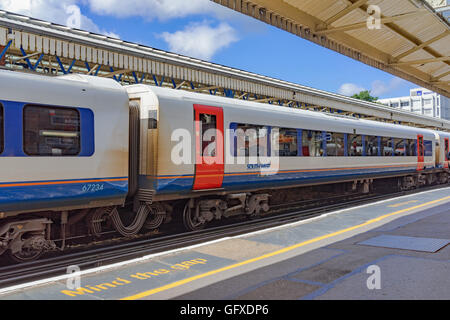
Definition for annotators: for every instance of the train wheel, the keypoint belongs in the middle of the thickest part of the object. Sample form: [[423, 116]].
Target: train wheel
[[26, 255], [191, 219]]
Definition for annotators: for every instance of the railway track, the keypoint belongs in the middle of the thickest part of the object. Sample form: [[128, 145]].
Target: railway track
[[99, 256]]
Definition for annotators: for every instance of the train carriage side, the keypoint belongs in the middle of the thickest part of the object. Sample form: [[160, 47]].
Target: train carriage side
[[313, 148], [65, 143]]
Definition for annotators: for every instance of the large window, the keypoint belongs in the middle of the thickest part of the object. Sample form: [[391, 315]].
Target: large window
[[355, 146], [399, 147], [313, 143], [2, 127], [251, 140], [288, 143], [428, 148], [335, 144], [372, 147], [387, 148], [51, 131]]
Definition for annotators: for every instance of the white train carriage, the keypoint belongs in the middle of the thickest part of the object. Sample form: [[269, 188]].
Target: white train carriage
[[64, 143], [195, 146], [312, 148]]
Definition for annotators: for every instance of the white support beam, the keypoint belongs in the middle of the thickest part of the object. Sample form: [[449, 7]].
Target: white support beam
[[360, 25]]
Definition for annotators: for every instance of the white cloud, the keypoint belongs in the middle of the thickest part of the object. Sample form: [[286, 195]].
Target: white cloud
[[349, 89], [200, 40], [151, 9], [64, 12], [380, 88]]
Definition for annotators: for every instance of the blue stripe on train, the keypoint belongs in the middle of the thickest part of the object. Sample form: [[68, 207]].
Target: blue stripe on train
[[247, 181], [25, 197]]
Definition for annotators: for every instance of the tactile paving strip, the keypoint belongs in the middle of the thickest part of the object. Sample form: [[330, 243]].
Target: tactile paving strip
[[406, 243]]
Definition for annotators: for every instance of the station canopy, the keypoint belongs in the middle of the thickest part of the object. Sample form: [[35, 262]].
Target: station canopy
[[406, 38]]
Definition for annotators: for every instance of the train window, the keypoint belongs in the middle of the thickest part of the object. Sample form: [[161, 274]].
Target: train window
[[208, 134], [2, 143], [335, 144], [411, 147], [313, 143], [251, 140], [355, 147], [386, 147], [372, 148], [288, 143], [428, 148], [50, 131], [399, 147]]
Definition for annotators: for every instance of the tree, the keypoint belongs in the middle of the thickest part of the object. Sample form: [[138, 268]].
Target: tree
[[365, 95]]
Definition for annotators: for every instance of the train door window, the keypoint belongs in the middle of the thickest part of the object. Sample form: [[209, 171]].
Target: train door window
[[447, 149], [313, 143], [288, 145], [372, 146], [251, 140], [2, 142], [355, 146], [399, 147], [428, 148], [387, 147], [208, 134], [50, 131], [421, 148], [335, 144]]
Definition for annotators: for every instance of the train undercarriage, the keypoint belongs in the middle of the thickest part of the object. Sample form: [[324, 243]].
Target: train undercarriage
[[26, 237]]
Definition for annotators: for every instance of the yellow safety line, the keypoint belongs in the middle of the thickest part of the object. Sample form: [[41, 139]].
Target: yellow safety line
[[268, 255]]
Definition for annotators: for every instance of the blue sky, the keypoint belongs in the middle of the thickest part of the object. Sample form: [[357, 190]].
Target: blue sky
[[205, 30]]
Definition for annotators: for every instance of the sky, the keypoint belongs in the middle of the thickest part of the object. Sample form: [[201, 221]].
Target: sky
[[208, 31]]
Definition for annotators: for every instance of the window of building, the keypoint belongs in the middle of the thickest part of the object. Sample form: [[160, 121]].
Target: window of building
[[313, 143], [404, 104], [288, 146], [372, 146], [2, 127], [354, 146], [251, 140], [394, 104], [50, 131]]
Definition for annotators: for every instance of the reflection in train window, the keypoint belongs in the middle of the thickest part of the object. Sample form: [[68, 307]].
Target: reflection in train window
[[399, 147], [386, 146], [335, 144], [313, 143], [251, 140], [51, 131], [428, 148], [288, 143], [208, 134], [372, 147], [355, 147]]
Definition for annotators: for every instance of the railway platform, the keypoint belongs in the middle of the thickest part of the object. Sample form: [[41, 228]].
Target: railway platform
[[390, 249]]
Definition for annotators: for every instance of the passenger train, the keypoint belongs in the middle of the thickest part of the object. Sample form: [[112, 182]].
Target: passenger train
[[82, 154]]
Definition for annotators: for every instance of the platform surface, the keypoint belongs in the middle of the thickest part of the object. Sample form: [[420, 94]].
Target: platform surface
[[334, 256]]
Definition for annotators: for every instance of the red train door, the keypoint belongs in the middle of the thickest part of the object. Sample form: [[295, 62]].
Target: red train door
[[446, 151], [209, 152], [420, 152]]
